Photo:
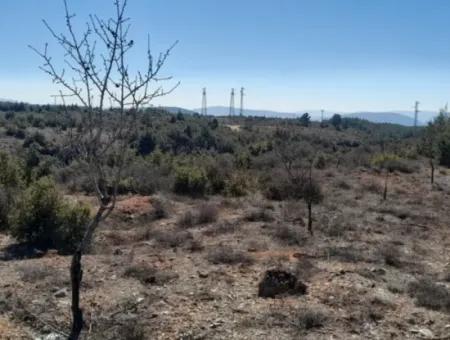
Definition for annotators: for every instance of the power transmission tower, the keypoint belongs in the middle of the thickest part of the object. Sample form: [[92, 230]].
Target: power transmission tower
[[416, 114], [321, 115], [204, 103], [241, 111], [232, 103]]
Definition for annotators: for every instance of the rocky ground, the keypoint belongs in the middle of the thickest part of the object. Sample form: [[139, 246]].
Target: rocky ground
[[167, 267]]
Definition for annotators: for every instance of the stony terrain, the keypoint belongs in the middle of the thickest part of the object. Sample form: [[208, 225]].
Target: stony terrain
[[169, 267]]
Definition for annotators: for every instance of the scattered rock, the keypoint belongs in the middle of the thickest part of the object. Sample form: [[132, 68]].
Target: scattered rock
[[424, 333], [202, 275], [278, 282], [378, 271], [62, 293]]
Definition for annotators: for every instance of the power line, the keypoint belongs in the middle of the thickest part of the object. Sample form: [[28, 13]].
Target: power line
[[232, 103], [241, 111], [204, 103], [416, 113]]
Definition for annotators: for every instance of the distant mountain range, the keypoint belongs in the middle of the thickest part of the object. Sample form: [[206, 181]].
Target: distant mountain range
[[384, 117], [400, 117]]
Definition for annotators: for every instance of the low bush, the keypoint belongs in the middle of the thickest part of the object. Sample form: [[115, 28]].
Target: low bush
[[171, 239], [277, 187], [259, 215], [289, 235], [228, 255], [430, 295], [186, 220], [190, 180], [159, 210], [207, 213], [44, 220], [237, 185], [345, 254], [220, 229], [147, 274], [34, 273], [391, 255], [307, 318]]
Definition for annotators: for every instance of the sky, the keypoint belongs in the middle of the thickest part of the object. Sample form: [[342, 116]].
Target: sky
[[290, 55]]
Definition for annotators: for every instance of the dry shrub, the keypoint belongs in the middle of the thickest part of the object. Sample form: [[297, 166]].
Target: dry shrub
[[160, 210], [446, 274], [133, 330], [291, 212], [259, 215], [186, 220], [225, 227], [195, 245], [147, 274], [336, 226], [229, 255], [256, 245], [304, 269], [372, 186], [345, 254], [288, 235], [173, 239], [207, 213], [307, 318], [342, 184], [430, 295], [33, 273], [391, 255]]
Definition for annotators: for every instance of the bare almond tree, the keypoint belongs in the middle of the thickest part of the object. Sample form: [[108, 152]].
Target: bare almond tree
[[298, 160], [94, 72]]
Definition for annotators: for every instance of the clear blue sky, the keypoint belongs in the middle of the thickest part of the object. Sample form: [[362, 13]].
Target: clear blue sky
[[291, 55]]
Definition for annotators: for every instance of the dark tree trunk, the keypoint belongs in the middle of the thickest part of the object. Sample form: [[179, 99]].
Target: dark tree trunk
[[385, 186], [76, 275], [310, 218], [432, 171]]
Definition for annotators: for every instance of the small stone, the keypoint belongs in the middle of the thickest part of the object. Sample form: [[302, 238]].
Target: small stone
[[202, 275], [62, 293], [378, 271]]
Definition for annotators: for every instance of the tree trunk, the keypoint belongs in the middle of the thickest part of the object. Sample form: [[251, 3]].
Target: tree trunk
[[76, 275], [432, 172], [310, 218], [385, 186]]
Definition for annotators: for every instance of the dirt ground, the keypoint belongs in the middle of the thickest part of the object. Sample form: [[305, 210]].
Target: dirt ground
[[168, 267]]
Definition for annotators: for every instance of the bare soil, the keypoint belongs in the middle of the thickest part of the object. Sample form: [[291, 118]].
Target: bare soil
[[148, 278]]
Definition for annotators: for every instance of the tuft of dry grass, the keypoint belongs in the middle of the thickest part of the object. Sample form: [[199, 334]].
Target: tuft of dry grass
[[307, 318], [172, 239], [221, 228], [391, 255], [33, 273], [288, 235], [259, 215], [430, 295], [207, 213], [147, 274], [186, 220], [228, 255]]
